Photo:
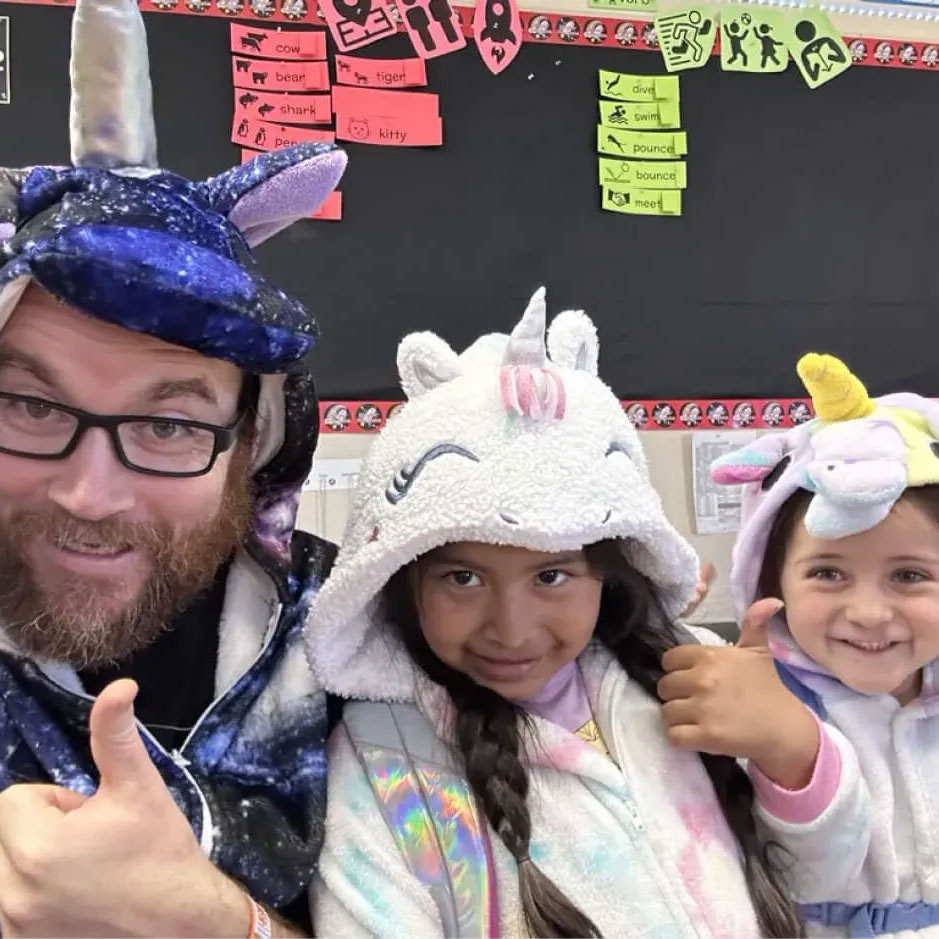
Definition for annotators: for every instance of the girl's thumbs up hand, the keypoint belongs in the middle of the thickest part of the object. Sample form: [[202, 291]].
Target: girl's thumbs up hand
[[730, 700]]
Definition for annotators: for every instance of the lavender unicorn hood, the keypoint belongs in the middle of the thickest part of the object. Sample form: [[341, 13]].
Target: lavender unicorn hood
[[118, 238], [857, 457], [515, 442]]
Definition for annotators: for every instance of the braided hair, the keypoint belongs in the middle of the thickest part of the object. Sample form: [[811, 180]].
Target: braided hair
[[489, 735]]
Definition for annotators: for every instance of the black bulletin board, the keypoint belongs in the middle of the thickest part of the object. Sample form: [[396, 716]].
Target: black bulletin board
[[811, 219]]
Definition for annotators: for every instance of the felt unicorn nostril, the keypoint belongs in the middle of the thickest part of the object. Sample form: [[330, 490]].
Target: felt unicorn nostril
[[772, 477]]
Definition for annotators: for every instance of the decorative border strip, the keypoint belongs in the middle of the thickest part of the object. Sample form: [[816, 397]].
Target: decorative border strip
[[368, 417], [559, 28]]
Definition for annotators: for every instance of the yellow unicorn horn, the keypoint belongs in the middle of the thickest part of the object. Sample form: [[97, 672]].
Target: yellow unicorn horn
[[836, 393]]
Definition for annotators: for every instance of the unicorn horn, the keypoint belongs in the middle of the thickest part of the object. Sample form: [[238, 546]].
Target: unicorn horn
[[526, 344], [111, 119], [837, 394]]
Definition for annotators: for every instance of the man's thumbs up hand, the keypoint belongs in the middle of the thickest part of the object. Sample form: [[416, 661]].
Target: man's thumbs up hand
[[125, 769], [123, 861]]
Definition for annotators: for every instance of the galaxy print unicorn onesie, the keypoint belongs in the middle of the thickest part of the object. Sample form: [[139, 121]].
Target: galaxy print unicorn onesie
[[864, 834], [507, 444], [120, 239]]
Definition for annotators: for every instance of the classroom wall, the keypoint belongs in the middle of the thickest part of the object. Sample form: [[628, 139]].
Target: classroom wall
[[669, 453]]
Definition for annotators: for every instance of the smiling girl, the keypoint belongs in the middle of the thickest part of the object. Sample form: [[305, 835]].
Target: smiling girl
[[498, 612], [841, 522]]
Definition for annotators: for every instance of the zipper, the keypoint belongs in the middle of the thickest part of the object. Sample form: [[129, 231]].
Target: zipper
[[272, 621], [207, 839], [609, 696], [633, 813], [208, 829]]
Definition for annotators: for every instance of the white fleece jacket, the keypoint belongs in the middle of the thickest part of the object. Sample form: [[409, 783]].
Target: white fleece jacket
[[875, 837], [638, 842], [518, 442]]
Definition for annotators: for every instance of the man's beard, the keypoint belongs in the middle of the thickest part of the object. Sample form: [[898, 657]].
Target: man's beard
[[82, 620]]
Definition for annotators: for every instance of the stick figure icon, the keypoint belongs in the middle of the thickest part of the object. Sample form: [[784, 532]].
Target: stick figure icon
[[618, 115], [820, 54], [768, 45], [687, 34], [736, 38]]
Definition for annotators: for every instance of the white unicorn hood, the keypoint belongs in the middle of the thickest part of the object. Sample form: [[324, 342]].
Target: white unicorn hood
[[509, 443]]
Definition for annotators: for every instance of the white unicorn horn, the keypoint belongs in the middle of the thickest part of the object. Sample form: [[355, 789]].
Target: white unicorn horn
[[526, 344], [111, 120]]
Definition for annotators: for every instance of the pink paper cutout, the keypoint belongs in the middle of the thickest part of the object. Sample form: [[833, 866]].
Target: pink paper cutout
[[433, 25], [278, 44], [421, 104], [356, 23], [331, 209], [389, 130], [380, 73], [260, 135], [272, 75], [283, 108], [497, 29]]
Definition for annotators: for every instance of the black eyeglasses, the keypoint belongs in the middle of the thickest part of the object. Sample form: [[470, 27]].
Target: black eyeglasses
[[159, 446]]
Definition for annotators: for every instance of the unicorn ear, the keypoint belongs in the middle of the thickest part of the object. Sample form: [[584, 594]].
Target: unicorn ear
[[424, 362], [573, 343], [274, 190]]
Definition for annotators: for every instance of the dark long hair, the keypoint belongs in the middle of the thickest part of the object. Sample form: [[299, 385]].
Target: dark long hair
[[635, 628]]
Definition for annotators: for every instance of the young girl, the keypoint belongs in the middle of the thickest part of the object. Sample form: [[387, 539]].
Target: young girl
[[502, 601], [841, 521]]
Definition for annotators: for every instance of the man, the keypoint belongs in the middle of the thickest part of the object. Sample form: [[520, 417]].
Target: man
[[156, 424]]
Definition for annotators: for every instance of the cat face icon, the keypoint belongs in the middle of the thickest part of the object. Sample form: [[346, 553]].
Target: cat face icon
[[358, 129]]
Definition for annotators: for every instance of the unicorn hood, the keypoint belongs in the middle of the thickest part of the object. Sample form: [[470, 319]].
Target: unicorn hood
[[858, 457], [513, 442], [120, 239]]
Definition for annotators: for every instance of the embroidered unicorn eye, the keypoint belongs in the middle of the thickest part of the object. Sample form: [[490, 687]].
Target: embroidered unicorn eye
[[616, 448], [934, 446], [772, 477], [404, 478]]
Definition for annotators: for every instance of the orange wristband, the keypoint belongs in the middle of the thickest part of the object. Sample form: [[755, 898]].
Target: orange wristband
[[260, 920]]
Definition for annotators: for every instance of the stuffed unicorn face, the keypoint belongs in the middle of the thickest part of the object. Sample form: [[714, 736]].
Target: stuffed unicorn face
[[857, 457], [857, 469], [514, 442]]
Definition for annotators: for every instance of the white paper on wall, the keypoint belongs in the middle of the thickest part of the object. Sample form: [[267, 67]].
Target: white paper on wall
[[333, 475], [716, 508]]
